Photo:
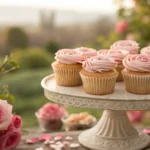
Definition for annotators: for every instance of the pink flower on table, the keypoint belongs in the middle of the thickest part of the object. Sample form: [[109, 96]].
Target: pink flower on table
[[135, 116], [17, 121], [50, 112], [10, 140], [5, 114], [122, 26]]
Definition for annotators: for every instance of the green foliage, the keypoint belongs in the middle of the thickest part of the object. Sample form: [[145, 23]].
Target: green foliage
[[4, 92], [16, 38], [138, 19], [52, 47], [33, 58]]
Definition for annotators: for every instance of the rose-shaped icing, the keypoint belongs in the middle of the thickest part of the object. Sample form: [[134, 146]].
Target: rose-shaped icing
[[50, 112], [118, 55], [86, 52], [5, 114], [68, 56], [128, 45], [145, 50], [137, 62], [99, 64]]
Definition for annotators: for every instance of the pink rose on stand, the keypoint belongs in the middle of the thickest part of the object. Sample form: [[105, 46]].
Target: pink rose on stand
[[135, 116], [5, 114], [122, 26]]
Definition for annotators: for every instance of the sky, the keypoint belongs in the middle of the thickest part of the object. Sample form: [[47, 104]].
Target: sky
[[21, 11], [82, 5]]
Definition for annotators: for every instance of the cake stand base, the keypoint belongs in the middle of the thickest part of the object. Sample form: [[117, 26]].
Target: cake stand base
[[114, 132]]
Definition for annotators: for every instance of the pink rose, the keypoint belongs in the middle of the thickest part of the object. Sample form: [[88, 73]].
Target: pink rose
[[5, 114], [10, 140], [17, 121], [135, 116], [50, 112], [121, 26]]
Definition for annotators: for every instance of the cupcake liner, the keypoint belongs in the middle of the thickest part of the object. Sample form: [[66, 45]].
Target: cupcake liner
[[67, 77], [137, 84], [120, 77], [98, 85]]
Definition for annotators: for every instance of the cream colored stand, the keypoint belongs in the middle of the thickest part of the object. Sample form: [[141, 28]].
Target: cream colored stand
[[114, 130]]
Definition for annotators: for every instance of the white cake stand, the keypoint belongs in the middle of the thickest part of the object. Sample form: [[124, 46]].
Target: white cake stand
[[114, 130]]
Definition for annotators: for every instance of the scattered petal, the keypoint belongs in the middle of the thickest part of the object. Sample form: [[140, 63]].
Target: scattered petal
[[45, 137], [47, 142], [51, 142], [31, 141], [147, 131], [66, 143], [58, 143], [56, 147], [69, 138], [74, 145], [58, 137], [40, 148]]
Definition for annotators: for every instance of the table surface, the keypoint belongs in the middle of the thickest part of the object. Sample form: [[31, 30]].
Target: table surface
[[36, 133]]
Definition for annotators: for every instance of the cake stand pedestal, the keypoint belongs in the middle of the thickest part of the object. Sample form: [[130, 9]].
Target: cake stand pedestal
[[114, 130]]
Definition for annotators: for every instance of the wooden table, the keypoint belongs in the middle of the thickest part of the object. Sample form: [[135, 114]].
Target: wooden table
[[36, 133]]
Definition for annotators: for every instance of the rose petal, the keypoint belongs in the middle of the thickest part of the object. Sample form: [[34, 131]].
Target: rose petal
[[74, 145], [147, 131], [69, 138], [45, 137], [66, 143], [31, 141]]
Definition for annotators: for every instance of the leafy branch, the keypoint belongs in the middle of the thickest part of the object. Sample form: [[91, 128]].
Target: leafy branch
[[5, 94]]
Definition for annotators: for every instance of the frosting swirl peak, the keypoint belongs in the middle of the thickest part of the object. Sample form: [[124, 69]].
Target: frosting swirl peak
[[137, 62], [68, 56], [128, 45], [118, 55], [145, 50], [99, 64], [86, 52]]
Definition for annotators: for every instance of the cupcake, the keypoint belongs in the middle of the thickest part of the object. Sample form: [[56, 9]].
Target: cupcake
[[137, 73], [99, 75], [49, 117], [118, 56], [86, 52], [67, 66], [79, 121], [145, 50], [131, 46]]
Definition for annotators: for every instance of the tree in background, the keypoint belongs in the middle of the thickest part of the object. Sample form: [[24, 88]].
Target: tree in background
[[133, 24], [16, 38], [52, 47]]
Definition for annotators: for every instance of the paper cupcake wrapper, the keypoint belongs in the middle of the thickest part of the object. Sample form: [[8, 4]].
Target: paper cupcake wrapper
[[67, 77], [98, 86], [120, 77], [137, 84]]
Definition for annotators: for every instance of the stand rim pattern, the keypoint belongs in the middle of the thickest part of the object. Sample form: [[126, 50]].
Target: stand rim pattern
[[88, 102]]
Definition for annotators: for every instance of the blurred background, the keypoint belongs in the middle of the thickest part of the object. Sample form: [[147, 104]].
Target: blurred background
[[33, 30]]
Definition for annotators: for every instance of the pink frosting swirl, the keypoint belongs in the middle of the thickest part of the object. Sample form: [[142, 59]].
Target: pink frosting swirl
[[137, 63], [145, 50], [118, 55], [68, 56], [99, 64], [128, 45], [86, 52]]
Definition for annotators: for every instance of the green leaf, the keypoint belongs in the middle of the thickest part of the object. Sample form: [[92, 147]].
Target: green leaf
[[14, 64], [11, 98], [2, 96]]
